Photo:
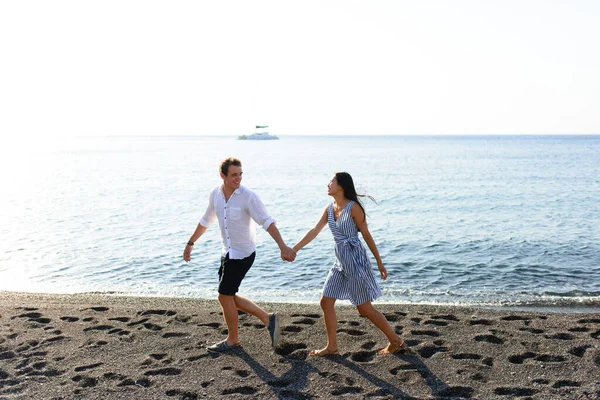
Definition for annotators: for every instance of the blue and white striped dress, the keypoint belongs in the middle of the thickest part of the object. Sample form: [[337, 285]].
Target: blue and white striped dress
[[351, 277]]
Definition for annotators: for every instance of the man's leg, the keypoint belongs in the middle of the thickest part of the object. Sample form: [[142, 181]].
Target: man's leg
[[249, 307], [231, 318], [231, 274]]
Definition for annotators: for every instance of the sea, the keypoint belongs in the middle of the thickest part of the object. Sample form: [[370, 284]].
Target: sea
[[480, 221]]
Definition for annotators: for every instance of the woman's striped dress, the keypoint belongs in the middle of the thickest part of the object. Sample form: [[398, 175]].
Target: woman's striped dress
[[351, 277]]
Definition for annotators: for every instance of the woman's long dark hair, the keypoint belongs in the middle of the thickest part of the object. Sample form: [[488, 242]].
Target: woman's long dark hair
[[345, 181]]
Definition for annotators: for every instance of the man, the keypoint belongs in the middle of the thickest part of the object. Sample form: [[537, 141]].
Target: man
[[235, 206]]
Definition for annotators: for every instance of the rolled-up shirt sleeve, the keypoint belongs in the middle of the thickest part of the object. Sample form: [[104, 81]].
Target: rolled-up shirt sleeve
[[210, 215], [258, 212]]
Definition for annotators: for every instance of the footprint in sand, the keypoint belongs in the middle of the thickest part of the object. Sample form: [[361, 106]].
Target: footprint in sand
[[485, 322], [198, 357], [515, 318], [589, 321], [98, 328], [579, 351], [183, 394], [119, 332], [489, 339], [143, 382], [152, 327], [305, 321], [448, 317], [166, 313], [245, 390], [514, 391], [214, 325], [286, 349], [163, 371], [436, 323], [120, 319], [368, 345], [291, 328], [392, 317], [560, 336], [174, 335], [352, 332], [363, 356], [428, 351], [425, 333], [87, 367], [566, 383], [85, 381], [467, 356], [548, 358], [580, 329], [346, 390], [408, 374], [520, 358], [457, 391], [532, 330], [314, 316], [97, 309]]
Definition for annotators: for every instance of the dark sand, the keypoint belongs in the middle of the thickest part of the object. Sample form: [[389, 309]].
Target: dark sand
[[108, 347]]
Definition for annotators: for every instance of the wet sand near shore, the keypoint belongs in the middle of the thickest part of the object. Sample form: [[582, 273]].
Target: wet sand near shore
[[112, 347]]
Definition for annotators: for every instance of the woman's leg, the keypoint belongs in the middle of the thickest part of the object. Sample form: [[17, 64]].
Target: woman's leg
[[378, 319], [328, 307]]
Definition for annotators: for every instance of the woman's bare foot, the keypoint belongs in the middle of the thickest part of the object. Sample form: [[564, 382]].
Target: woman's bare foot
[[324, 352], [394, 347]]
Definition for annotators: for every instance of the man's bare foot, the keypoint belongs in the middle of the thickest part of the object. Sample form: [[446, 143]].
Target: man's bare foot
[[324, 352], [394, 348]]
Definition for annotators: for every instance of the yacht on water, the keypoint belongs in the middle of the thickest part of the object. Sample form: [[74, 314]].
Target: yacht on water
[[260, 134]]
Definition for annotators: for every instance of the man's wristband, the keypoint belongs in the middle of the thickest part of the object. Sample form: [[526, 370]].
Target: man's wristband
[[190, 243]]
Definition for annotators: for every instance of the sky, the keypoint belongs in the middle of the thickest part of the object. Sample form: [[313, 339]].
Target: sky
[[388, 67]]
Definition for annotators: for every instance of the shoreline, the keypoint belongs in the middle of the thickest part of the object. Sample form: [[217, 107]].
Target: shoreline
[[101, 346], [554, 309]]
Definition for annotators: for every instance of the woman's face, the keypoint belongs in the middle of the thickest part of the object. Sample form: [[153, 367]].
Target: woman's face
[[333, 188]]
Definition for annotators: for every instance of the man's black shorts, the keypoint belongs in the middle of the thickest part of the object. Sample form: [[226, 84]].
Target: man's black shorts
[[232, 272]]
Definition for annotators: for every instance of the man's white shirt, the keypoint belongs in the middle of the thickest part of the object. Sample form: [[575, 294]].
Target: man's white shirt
[[237, 231]]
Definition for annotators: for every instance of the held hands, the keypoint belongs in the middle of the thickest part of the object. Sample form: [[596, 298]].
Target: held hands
[[382, 271], [288, 254]]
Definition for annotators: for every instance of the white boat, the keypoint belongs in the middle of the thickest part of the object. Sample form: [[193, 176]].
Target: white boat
[[259, 135]]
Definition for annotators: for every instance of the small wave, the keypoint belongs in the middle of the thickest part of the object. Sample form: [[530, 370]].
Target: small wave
[[572, 301]]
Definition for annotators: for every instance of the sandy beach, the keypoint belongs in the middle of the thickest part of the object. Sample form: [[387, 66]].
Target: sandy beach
[[112, 347]]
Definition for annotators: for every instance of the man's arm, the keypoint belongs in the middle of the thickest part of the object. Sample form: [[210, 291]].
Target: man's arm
[[187, 252], [208, 218], [259, 214], [287, 253]]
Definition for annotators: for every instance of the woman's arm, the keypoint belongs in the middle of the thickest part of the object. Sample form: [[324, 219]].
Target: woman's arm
[[311, 234], [358, 216]]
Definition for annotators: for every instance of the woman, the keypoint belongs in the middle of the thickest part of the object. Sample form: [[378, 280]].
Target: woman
[[350, 278]]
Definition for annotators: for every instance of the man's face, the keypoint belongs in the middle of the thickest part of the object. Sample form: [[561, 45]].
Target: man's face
[[234, 177]]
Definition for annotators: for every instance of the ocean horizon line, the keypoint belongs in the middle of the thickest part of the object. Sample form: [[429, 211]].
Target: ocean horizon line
[[440, 135]]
